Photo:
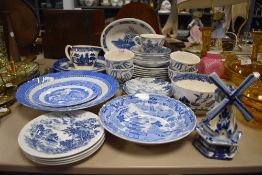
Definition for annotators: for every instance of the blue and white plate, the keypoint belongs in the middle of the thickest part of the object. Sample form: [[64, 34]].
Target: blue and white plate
[[120, 33], [64, 64], [108, 85], [59, 93], [147, 118], [147, 85], [59, 135]]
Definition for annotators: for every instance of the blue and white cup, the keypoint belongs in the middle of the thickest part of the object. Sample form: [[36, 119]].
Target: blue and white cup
[[119, 59], [82, 55], [150, 43], [184, 61]]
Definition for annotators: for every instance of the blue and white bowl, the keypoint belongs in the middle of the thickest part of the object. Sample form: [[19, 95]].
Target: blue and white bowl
[[172, 73], [184, 61], [121, 75], [195, 90], [119, 59]]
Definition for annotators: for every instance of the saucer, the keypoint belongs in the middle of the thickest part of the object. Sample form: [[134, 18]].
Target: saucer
[[64, 64]]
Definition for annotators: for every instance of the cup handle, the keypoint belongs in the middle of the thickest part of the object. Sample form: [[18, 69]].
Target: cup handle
[[137, 40], [67, 51]]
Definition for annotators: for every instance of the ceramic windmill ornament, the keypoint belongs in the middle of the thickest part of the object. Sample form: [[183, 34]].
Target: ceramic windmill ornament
[[218, 132]]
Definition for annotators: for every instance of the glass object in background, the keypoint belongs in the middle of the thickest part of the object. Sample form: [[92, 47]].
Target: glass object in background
[[247, 38], [3, 53]]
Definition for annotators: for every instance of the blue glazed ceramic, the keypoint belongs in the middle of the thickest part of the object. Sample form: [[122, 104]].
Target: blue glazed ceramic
[[147, 118], [150, 43], [122, 75], [82, 55], [60, 134], [197, 93], [120, 33], [108, 85], [147, 85], [67, 93], [64, 64]]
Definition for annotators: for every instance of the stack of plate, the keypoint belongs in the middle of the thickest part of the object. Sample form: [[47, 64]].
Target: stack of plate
[[153, 65], [60, 138], [147, 72], [66, 91]]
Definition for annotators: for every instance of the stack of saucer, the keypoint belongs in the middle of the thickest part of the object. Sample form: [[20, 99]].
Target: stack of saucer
[[59, 138], [151, 64]]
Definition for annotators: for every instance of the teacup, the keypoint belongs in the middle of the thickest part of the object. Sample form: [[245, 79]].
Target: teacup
[[82, 55], [150, 42], [184, 61], [119, 59]]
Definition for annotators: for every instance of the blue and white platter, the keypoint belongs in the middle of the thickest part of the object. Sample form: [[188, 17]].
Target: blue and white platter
[[59, 136], [60, 93], [147, 118], [64, 64], [108, 85], [120, 33], [147, 85]]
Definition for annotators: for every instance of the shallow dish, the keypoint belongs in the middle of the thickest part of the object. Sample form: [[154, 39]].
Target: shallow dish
[[108, 85], [64, 93], [147, 118], [120, 33], [147, 85], [64, 64]]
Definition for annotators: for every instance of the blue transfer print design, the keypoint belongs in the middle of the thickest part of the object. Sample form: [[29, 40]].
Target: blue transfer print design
[[147, 118], [49, 137], [126, 42]]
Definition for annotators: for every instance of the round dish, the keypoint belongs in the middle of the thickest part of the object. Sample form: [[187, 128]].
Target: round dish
[[108, 85], [120, 33], [147, 118], [59, 135]]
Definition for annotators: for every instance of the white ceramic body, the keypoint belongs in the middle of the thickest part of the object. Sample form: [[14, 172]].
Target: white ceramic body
[[119, 59], [149, 42], [201, 100], [172, 73], [82, 55], [122, 75], [184, 61]]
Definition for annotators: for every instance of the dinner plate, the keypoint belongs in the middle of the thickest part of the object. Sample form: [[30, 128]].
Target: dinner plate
[[69, 161], [60, 134], [59, 93], [120, 33], [109, 86], [64, 64], [147, 118], [147, 85]]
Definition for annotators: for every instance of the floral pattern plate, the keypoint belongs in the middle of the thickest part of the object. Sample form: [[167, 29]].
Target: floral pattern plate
[[120, 33], [109, 86], [60, 134], [147, 118], [147, 85], [59, 93]]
